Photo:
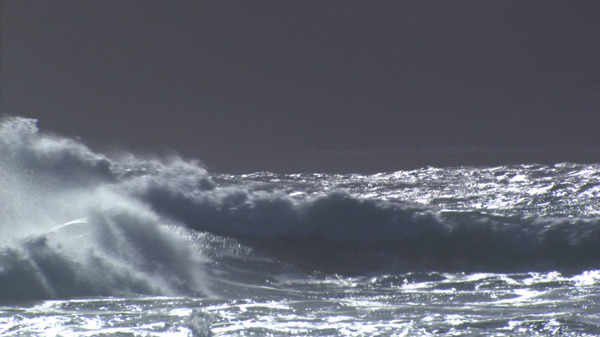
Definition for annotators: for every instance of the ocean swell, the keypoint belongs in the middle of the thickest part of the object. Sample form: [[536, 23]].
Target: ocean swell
[[78, 223], [336, 224]]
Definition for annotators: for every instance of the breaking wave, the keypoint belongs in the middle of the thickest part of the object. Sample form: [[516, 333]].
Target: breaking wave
[[79, 223]]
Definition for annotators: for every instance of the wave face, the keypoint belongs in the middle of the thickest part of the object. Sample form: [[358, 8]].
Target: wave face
[[79, 223]]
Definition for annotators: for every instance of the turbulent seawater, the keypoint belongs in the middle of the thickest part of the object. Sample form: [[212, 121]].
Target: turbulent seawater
[[123, 245]]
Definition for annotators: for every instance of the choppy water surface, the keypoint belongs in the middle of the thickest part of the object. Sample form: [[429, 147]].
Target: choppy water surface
[[412, 305], [93, 245]]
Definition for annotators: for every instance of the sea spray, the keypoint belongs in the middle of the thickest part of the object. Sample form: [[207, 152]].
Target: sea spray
[[67, 230]]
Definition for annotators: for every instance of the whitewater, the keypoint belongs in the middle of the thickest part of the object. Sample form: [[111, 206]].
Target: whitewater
[[93, 244]]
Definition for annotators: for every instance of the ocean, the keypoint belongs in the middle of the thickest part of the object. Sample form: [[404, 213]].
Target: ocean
[[130, 245]]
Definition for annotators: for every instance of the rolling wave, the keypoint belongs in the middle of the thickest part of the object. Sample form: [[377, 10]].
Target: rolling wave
[[78, 223]]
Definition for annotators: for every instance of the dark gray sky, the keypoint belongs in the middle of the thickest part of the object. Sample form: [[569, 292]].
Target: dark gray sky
[[342, 86]]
